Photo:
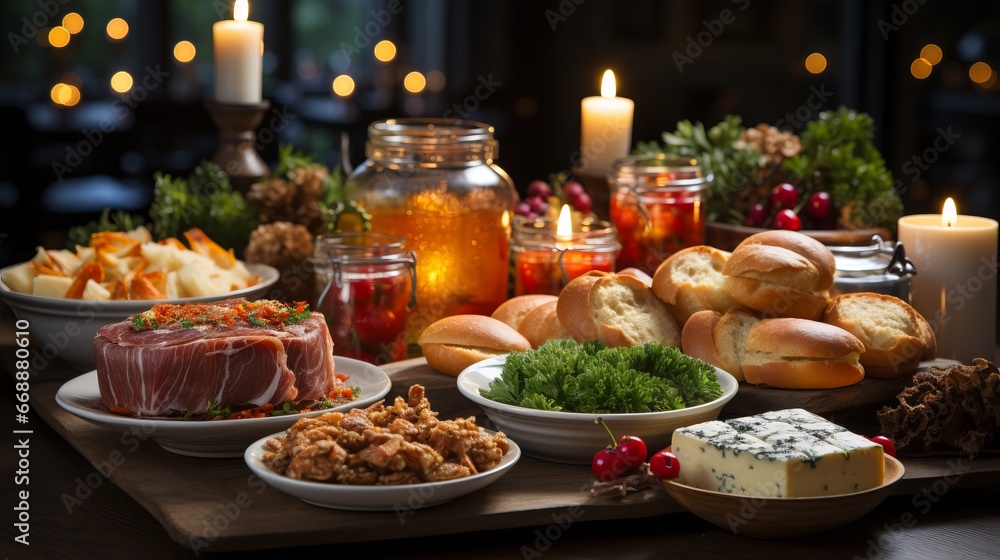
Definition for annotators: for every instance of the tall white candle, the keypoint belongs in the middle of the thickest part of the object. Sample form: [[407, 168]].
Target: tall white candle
[[605, 128], [955, 287], [237, 57]]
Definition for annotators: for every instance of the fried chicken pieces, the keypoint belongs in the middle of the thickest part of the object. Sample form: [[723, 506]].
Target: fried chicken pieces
[[401, 444]]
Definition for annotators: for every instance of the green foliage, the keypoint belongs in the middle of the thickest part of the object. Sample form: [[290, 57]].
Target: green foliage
[[563, 375], [205, 200], [117, 221]]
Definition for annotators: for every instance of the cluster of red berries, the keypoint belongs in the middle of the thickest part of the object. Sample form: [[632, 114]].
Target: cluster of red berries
[[539, 198], [628, 453], [784, 211]]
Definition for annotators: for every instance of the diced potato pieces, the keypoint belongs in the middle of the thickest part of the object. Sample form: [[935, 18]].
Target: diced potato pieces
[[95, 292], [142, 288], [65, 261], [20, 277], [173, 285], [196, 280], [46, 285], [141, 234], [91, 271]]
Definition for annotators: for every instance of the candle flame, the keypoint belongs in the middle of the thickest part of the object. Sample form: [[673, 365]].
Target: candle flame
[[564, 227], [608, 84], [241, 9], [949, 215]]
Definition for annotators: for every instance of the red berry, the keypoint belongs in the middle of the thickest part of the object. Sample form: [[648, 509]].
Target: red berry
[[886, 444], [756, 216], [523, 209], [538, 204], [819, 205], [606, 466], [572, 188], [664, 465], [539, 188], [581, 202], [787, 219], [631, 450], [784, 196]]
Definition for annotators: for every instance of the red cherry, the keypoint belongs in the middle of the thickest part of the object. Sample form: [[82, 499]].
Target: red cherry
[[784, 196], [540, 189], [886, 444], [607, 466], [756, 216], [523, 209], [631, 450], [581, 202], [572, 188], [819, 205], [787, 219], [664, 465], [538, 204]]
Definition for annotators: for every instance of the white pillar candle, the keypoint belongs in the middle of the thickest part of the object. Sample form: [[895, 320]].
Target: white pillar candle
[[238, 59], [605, 128], [955, 287]]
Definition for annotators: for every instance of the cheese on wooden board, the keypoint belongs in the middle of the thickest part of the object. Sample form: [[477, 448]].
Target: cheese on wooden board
[[780, 454]]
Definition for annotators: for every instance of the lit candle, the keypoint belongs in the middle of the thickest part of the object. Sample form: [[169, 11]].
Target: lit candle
[[606, 128], [538, 250], [955, 287], [238, 57]]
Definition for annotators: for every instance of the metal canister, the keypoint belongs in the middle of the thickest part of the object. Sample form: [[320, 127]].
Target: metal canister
[[880, 267]]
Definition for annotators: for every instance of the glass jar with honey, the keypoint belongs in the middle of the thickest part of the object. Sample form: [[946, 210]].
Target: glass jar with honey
[[434, 183], [658, 205]]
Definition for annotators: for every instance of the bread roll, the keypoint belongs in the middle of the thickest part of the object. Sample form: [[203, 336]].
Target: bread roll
[[454, 343], [801, 354], [730, 336], [691, 280], [515, 309], [628, 313], [696, 337], [929, 338], [803, 245], [888, 327], [776, 282], [635, 272], [542, 324], [573, 308]]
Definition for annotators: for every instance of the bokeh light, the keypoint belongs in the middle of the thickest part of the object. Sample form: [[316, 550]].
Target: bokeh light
[[435, 80], [815, 63], [931, 53], [980, 72], [121, 81], [343, 85], [117, 29], [385, 50], [73, 22], [920, 68], [414, 82], [184, 51], [58, 36]]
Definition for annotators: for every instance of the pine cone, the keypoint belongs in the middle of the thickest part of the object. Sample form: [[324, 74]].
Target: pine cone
[[772, 143], [274, 199], [279, 244], [310, 182]]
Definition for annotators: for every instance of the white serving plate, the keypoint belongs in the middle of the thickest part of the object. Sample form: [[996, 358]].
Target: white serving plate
[[571, 437], [211, 438], [65, 328], [402, 498]]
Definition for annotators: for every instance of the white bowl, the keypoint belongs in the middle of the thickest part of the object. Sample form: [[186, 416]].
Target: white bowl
[[572, 437], [65, 328]]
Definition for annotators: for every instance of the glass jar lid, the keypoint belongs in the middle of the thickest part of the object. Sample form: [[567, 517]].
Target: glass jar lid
[[875, 259], [431, 142], [660, 171]]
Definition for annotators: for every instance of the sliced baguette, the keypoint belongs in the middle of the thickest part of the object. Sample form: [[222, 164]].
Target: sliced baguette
[[542, 324], [889, 328], [691, 280], [628, 313]]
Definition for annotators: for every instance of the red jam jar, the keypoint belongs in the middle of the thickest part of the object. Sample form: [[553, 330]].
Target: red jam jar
[[658, 205], [366, 286], [545, 261]]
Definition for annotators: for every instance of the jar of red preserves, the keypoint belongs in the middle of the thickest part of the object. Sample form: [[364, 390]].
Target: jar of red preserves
[[658, 205], [366, 284]]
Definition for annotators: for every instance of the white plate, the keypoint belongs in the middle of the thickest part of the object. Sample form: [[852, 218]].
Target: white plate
[[211, 438], [402, 498], [572, 437]]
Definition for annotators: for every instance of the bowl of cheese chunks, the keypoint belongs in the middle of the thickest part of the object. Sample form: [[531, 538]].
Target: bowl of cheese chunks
[[62, 297]]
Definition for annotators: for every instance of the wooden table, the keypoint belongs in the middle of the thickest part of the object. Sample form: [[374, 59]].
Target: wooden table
[[926, 519]]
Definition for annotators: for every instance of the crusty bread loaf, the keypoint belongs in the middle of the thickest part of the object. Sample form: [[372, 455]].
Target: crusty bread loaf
[[454, 343], [573, 309], [777, 281], [730, 336], [696, 337], [635, 272], [928, 337], [801, 354], [628, 313], [515, 309], [888, 327], [542, 324], [691, 280], [809, 248]]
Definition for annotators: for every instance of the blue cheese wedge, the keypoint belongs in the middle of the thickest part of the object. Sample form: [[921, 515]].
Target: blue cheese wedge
[[780, 454]]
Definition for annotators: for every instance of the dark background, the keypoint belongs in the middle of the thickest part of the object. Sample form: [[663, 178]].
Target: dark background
[[542, 58]]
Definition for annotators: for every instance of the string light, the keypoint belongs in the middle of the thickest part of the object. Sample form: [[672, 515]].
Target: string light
[[385, 50], [117, 29], [184, 51], [121, 81], [58, 36], [815, 63], [980, 72], [931, 53], [73, 22], [343, 85], [920, 68], [414, 82]]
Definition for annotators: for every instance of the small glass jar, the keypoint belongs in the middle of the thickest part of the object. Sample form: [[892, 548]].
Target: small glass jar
[[433, 182], [365, 286], [544, 261], [658, 205]]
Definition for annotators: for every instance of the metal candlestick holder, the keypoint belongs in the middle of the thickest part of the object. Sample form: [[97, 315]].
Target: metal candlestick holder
[[237, 155]]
